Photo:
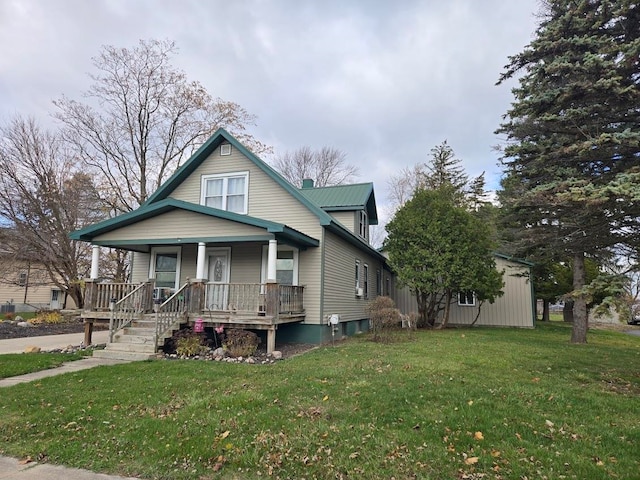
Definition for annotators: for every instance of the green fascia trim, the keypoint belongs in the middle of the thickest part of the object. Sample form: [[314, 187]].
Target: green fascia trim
[[514, 259], [205, 150], [163, 206], [184, 240]]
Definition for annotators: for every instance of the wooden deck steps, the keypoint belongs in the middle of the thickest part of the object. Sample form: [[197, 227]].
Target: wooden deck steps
[[136, 342]]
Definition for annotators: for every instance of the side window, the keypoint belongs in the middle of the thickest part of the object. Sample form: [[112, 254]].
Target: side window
[[365, 281], [357, 274], [466, 298], [378, 282], [362, 224]]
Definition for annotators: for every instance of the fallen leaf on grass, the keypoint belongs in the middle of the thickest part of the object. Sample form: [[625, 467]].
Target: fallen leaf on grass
[[25, 460], [478, 436], [471, 460], [326, 397]]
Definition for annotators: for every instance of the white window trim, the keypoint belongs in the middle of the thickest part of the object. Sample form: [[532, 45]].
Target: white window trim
[[225, 149], [460, 304], [358, 275], [152, 261], [203, 189], [363, 224], [265, 257]]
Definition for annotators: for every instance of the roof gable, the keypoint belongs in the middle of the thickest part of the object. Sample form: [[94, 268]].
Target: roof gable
[[219, 137]]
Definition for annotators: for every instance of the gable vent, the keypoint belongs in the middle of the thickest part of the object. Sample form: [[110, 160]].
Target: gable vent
[[225, 149]]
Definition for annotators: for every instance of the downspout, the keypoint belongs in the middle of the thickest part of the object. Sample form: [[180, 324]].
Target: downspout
[[322, 260], [534, 309]]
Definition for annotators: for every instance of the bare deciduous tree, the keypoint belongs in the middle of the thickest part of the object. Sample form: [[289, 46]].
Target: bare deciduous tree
[[143, 120], [44, 195], [327, 166]]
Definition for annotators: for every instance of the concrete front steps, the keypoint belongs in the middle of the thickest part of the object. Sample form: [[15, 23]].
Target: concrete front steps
[[134, 343]]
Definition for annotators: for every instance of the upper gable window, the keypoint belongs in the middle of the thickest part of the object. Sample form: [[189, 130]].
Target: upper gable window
[[225, 149], [227, 191], [362, 224]]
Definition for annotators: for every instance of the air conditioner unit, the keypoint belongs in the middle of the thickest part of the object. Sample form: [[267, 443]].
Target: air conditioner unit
[[359, 292]]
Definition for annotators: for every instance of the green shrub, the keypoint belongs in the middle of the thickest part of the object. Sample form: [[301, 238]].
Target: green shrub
[[240, 343], [190, 344]]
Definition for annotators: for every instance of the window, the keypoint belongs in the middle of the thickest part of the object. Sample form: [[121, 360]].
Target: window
[[225, 149], [365, 281], [362, 224], [226, 192], [286, 265], [22, 279], [378, 282], [165, 267], [466, 298], [357, 274]]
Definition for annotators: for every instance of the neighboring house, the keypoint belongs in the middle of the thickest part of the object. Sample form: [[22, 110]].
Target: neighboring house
[[26, 287], [229, 241], [516, 308]]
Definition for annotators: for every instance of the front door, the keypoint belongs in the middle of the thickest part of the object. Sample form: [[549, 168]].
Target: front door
[[219, 271], [56, 299]]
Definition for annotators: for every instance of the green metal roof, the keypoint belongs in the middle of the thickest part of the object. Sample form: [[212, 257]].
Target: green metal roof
[[358, 196]]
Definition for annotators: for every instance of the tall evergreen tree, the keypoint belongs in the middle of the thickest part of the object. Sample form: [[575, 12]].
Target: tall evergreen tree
[[572, 162]]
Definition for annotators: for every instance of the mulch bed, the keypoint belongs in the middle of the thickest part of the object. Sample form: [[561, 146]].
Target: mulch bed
[[12, 330]]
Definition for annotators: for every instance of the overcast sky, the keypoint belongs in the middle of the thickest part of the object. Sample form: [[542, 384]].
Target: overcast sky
[[384, 81]]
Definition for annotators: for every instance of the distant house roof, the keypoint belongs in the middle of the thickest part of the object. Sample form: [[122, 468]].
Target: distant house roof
[[335, 198]]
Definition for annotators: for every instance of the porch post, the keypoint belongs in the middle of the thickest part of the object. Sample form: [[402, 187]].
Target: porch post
[[202, 258], [271, 261], [95, 262]]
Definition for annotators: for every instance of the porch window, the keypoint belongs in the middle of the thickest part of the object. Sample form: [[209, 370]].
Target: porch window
[[466, 298], [286, 265], [226, 192], [165, 267]]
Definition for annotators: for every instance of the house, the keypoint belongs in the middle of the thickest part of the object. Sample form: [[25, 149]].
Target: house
[[26, 287], [516, 308], [228, 241]]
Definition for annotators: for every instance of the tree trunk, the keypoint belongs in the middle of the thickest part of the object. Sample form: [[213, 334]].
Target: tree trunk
[[447, 307], [545, 310], [580, 320], [567, 311]]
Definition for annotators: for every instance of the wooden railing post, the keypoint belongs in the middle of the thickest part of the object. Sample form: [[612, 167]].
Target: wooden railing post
[[90, 292], [272, 299], [196, 296]]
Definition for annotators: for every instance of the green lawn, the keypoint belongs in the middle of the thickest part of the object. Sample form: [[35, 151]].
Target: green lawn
[[14, 364], [478, 403]]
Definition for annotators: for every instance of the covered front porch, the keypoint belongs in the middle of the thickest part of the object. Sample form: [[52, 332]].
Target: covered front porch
[[254, 306]]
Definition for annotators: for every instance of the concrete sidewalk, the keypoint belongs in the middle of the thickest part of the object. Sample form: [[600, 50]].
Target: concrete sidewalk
[[50, 342], [12, 469]]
